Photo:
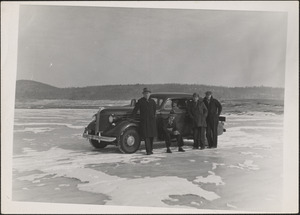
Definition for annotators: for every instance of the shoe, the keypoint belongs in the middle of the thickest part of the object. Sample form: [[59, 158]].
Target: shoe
[[181, 149], [169, 150], [151, 152], [148, 153]]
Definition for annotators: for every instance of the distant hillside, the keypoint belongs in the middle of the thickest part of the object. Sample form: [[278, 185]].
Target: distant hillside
[[26, 89]]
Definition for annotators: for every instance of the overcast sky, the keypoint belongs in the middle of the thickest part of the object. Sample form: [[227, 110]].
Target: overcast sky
[[67, 46]]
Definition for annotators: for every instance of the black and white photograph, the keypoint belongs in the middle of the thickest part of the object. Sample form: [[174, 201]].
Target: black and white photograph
[[149, 107]]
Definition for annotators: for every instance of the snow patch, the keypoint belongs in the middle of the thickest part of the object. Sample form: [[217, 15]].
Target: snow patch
[[33, 178], [230, 206], [25, 150], [27, 139], [118, 189], [50, 123], [255, 155], [64, 185], [211, 178], [248, 165], [217, 164], [34, 130], [196, 203]]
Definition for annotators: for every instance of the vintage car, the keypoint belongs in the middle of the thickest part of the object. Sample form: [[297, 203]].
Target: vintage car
[[117, 126]]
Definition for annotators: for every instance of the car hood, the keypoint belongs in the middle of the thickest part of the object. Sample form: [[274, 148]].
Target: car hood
[[117, 110]]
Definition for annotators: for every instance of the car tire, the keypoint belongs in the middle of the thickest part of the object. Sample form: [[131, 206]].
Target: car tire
[[98, 145], [129, 141]]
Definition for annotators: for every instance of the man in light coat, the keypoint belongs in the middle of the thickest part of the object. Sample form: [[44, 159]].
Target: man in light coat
[[198, 112]]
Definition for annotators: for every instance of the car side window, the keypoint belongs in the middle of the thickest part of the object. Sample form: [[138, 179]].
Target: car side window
[[168, 105], [155, 99], [179, 105], [159, 102]]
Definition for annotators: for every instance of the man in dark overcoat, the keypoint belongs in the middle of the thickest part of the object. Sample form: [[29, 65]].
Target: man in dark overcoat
[[147, 108], [197, 111], [170, 129], [214, 108]]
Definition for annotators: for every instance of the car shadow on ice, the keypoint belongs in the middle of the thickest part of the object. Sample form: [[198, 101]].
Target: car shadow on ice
[[112, 149]]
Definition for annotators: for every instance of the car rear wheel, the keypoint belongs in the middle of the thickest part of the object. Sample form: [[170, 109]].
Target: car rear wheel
[[98, 145], [129, 141]]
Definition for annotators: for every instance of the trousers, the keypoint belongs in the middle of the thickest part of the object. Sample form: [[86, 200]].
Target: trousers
[[212, 132], [149, 144], [168, 137], [199, 138]]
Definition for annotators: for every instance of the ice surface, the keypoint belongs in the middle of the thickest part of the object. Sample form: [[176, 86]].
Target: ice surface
[[115, 187], [247, 159]]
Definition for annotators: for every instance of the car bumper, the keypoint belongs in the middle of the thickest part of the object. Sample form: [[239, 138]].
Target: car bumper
[[100, 138]]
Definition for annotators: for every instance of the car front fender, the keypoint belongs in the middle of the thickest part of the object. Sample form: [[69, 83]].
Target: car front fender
[[119, 128]]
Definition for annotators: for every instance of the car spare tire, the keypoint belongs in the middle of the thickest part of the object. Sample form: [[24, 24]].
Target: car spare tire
[[129, 141]]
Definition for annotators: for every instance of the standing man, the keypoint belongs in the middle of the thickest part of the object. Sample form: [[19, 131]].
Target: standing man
[[147, 108], [170, 130], [214, 110], [198, 113]]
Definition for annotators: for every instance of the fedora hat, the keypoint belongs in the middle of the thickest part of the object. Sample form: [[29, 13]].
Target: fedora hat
[[196, 95], [208, 93], [146, 90]]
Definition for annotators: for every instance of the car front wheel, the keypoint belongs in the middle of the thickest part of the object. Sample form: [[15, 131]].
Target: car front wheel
[[98, 145], [129, 141]]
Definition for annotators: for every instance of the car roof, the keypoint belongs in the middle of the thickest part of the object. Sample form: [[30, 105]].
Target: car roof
[[171, 95]]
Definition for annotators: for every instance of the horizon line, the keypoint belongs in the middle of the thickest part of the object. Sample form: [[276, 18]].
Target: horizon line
[[254, 86]]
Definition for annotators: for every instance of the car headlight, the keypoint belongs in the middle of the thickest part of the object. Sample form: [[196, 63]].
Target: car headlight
[[94, 118], [111, 118]]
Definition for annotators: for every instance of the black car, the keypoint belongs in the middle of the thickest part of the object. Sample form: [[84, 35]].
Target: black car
[[117, 126]]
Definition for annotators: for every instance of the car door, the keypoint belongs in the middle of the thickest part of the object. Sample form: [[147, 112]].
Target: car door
[[184, 123], [179, 106]]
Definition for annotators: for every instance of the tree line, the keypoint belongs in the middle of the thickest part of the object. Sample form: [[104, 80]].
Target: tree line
[[26, 89]]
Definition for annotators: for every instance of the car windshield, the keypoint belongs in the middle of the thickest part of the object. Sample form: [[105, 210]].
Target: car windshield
[[176, 105], [158, 101], [169, 103]]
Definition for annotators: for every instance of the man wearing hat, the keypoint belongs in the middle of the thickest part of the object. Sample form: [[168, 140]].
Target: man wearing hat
[[147, 108], [197, 111], [214, 108], [170, 130]]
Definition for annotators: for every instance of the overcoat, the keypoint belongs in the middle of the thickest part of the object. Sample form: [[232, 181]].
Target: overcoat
[[147, 110], [214, 108], [198, 113]]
